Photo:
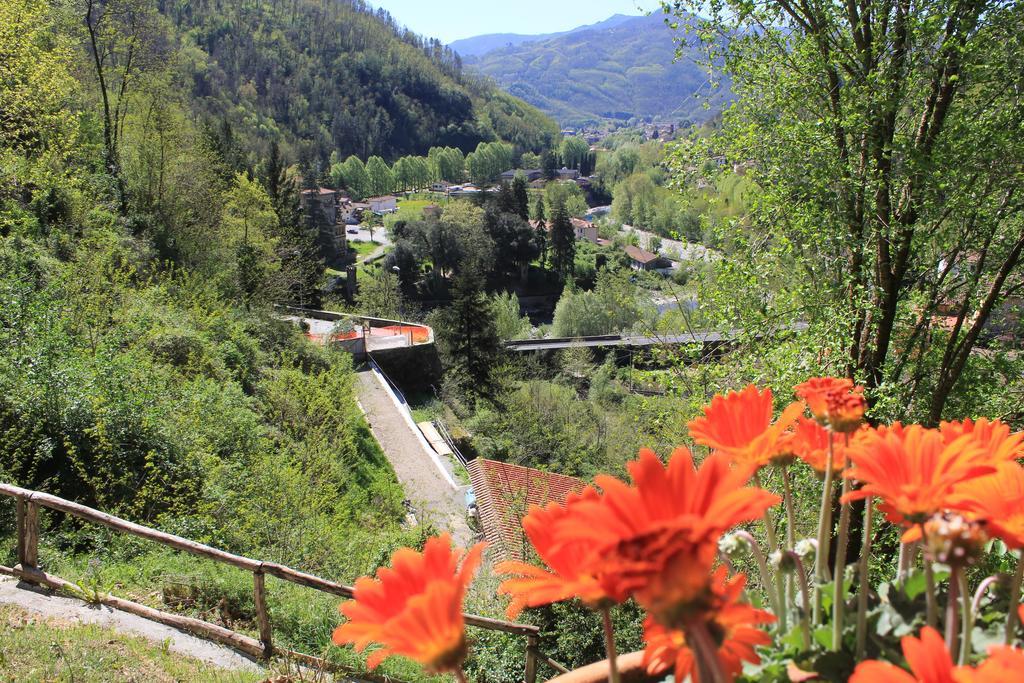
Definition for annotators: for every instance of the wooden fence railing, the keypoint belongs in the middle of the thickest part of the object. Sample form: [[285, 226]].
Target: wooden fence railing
[[27, 504]]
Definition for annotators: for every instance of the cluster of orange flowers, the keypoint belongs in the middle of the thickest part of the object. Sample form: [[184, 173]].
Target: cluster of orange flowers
[[930, 662], [655, 540]]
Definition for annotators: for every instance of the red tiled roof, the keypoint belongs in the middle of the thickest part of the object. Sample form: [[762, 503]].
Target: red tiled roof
[[505, 492], [640, 255], [321, 191], [580, 223]]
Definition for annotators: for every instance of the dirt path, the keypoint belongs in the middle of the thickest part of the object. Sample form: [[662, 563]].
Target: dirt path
[[65, 609], [433, 496]]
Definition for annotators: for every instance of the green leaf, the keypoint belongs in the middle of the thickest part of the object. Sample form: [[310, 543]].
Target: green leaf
[[823, 636]]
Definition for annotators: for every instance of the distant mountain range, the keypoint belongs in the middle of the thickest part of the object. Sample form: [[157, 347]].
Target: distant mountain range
[[616, 69], [480, 45]]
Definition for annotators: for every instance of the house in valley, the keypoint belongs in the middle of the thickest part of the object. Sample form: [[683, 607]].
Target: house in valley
[[641, 259], [384, 204], [584, 229]]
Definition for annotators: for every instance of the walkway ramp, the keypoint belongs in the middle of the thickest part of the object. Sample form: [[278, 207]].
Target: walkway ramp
[[428, 484]]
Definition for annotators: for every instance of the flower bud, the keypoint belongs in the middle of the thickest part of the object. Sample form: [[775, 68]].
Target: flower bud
[[952, 539]]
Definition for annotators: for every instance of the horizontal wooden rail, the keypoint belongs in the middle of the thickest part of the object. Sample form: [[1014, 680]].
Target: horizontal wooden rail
[[202, 550], [27, 508]]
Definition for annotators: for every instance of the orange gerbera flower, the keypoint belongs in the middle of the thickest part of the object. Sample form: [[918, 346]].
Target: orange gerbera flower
[[993, 435], [1004, 664], [659, 536], [998, 499], [414, 608], [573, 572], [833, 401], [912, 470], [810, 443], [739, 424], [927, 657], [734, 624]]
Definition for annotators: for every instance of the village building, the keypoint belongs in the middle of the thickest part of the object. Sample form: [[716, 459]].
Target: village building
[[530, 174], [504, 493], [568, 173], [641, 259], [320, 207], [585, 230], [385, 204], [440, 186]]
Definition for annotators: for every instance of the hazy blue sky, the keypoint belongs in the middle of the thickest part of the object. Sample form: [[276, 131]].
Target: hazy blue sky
[[449, 20]]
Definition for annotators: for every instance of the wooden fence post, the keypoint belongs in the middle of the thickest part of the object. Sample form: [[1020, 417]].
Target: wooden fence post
[[262, 615], [28, 534], [531, 658]]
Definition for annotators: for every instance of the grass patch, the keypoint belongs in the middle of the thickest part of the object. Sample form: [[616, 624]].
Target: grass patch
[[303, 619], [363, 249], [36, 649]]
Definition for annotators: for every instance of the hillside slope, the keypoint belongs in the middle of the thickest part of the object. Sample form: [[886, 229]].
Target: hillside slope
[[322, 77], [612, 71]]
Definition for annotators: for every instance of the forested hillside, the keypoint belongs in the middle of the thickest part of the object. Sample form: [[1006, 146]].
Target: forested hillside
[[336, 76], [142, 370], [613, 70]]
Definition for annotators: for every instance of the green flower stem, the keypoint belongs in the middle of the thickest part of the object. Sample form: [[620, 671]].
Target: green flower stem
[[972, 609], [773, 547], [1011, 618], [952, 601], [805, 613], [609, 646], [762, 565], [864, 582], [787, 498], [929, 580], [824, 533], [706, 652], [839, 573], [967, 620]]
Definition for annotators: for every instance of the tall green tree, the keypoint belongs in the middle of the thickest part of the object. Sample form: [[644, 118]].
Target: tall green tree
[[521, 196], [467, 338], [380, 179], [563, 243], [884, 138]]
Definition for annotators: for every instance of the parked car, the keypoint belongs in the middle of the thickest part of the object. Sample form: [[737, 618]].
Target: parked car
[[353, 231]]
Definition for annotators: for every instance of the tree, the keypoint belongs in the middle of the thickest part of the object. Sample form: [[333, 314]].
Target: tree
[[248, 225], [574, 152], [467, 338], [881, 133], [126, 40], [380, 296], [521, 197], [353, 176], [379, 177], [567, 195], [549, 164], [508, 321], [563, 243], [530, 160]]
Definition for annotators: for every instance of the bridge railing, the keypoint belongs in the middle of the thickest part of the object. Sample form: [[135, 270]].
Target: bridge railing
[[27, 507]]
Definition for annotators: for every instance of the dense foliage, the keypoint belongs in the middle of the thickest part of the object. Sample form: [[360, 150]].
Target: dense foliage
[[336, 77], [884, 149]]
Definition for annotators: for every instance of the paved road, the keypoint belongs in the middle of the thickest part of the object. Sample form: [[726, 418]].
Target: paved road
[[63, 610], [434, 499]]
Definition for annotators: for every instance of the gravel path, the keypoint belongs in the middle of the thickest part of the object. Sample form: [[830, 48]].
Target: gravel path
[[65, 609], [433, 497]]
